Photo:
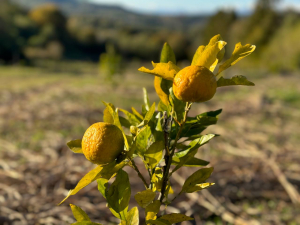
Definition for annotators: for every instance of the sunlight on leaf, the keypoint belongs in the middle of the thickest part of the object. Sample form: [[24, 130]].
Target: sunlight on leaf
[[239, 53], [198, 177], [154, 154], [102, 171], [152, 210], [146, 99], [164, 70], [209, 55], [79, 214], [198, 187], [144, 198], [75, 146]]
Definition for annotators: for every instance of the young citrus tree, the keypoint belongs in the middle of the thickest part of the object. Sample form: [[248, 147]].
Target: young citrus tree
[[165, 138]]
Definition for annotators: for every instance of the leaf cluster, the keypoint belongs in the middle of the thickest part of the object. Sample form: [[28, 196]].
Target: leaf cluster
[[164, 138]]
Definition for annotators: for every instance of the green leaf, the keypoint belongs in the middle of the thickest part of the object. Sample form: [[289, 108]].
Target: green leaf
[[167, 54], [86, 223], [149, 114], [179, 106], [198, 177], [142, 140], [146, 99], [188, 154], [193, 162], [79, 214], [145, 197], [195, 125], [161, 107], [107, 117], [75, 146], [152, 210], [124, 122], [239, 53], [102, 171], [235, 80], [211, 113], [102, 185], [198, 187], [133, 120], [164, 70], [118, 194], [138, 115], [176, 218], [133, 217], [154, 154]]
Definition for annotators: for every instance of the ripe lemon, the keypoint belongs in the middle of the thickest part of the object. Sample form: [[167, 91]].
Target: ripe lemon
[[102, 143], [194, 84]]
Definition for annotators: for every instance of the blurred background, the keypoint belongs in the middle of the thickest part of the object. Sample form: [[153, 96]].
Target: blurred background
[[60, 58]]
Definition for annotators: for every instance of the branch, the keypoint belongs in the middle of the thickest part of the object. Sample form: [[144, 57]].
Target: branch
[[133, 165], [168, 157]]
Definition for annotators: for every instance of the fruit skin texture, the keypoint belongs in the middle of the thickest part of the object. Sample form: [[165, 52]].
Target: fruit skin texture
[[102, 143], [194, 84]]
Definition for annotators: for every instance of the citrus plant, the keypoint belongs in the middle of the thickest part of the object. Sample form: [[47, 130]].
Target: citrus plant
[[164, 137]]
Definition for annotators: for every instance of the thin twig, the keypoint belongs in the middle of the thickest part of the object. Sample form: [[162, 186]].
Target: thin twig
[[133, 165]]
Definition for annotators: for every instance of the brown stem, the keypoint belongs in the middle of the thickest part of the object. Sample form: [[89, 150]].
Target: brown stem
[[168, 157]]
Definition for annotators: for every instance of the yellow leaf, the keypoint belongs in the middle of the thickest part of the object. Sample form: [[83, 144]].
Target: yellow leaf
[[154, 154], [135, 112], [152, 210], [214, 40], [199, 187], [209, 55], [144, 198], [161, 94], [239, 53], [101, 171], [79, 214], [220, 54], [197, 54], [156, 179], [132, 217], [107, 117], [164, 70]]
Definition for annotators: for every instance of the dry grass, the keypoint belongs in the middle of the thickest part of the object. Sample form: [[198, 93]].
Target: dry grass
[[256, 159]]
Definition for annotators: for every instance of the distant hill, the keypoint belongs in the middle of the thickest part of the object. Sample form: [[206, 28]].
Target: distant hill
[[119, 14]]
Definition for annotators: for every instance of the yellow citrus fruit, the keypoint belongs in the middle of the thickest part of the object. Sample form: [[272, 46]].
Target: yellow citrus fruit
[[194, 84], [102, 143]]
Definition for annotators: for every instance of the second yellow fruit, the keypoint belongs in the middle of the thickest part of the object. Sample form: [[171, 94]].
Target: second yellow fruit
[[194, 84], [102, 143]]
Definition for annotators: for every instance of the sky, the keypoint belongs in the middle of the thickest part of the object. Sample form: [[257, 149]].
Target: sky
[[192, 6]]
